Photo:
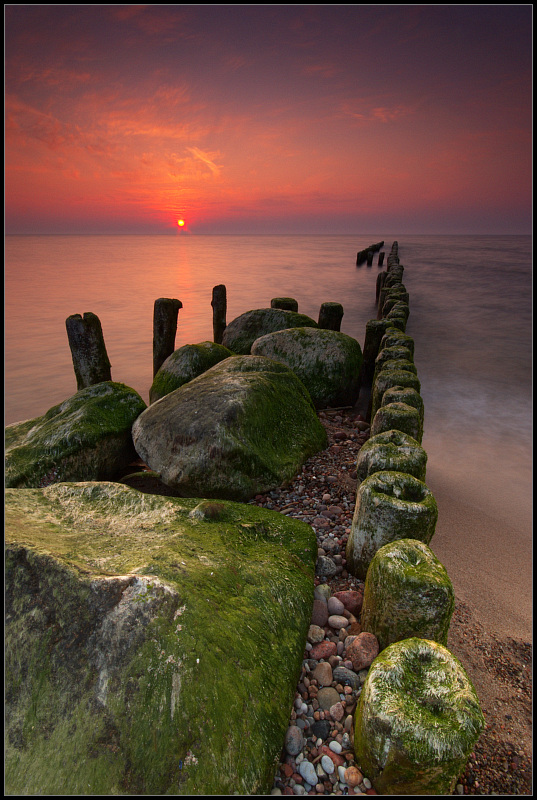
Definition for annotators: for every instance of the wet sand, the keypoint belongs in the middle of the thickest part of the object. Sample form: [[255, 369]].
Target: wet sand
[[488, 559]]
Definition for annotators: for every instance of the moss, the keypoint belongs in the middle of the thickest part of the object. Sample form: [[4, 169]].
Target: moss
[[244, 426], [184, 364], [417, 720], [391, 450], [327, 362], [398, 416], [87, 437], [387, 378], [160, 650], [406, 395], [407, 593], [242, 332], [394, 337]]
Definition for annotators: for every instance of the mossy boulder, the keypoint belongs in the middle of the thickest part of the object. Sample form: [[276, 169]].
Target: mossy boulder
[[327, 362], [400, 417], [391, 450], [152, 644], [389, 506], [184, 364], [407, 593], [242, 332], [417, 720], [387, 378], [244, 426], [87, 437]]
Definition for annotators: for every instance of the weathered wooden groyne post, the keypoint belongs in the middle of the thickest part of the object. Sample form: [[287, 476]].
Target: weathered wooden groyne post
[[219, 304], [165, 315], [90, 359], [284, 303], [330, 316], [363, 255], [381, 258]]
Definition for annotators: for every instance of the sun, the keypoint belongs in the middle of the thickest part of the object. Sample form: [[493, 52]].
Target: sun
[[180, 222]]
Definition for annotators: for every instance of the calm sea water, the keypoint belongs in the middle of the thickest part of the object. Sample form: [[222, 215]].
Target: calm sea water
[[470, 301]]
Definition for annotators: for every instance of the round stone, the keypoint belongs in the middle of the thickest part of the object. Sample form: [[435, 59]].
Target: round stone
[[327, 697], [327, 764], [323, 673], [353, 776], [315, 634], [307, 771], [335, 606], [337, 622], [294, 740]]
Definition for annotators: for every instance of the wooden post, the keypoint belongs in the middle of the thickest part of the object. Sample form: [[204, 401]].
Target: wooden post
[[164, 329], [284, 303], [90, 359], [381, 258], [219, 304], [370, 254], [330, 315]]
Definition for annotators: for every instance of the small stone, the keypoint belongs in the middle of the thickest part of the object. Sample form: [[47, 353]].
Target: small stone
[[335, 747], [337, 622], [319, 614], [362, 650], [335, 606], [327, 764], [327, 697], [353, 776], [307, 771], [294, 740], [323, 673], [315, 634], [323, 650], [367, 783], [337, 712]]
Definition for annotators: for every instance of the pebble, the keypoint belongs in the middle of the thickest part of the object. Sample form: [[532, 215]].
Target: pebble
[[294, 740], [327, 764], [307, 770]]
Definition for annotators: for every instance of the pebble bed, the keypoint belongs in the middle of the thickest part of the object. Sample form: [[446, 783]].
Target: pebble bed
[[318, 756]]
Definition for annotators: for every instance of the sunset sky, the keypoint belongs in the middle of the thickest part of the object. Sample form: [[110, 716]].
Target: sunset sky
[[268, 118]]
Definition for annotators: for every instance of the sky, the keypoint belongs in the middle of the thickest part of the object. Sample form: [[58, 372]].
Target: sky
[[236, 119]]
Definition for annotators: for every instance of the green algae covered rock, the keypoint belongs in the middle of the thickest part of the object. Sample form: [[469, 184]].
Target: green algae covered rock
[[327, 362], [152, 644], [417, 720], [87, 437], [407, 593], [389, 506], [242, 332], [184, 364], [244, 426], [400, 417], [391, 450]]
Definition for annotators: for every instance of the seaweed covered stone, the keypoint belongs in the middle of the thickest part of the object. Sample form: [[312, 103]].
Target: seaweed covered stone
[[417, 720], [87, 437], [391, 450], [327, 362], [400, 417], [389, 506], [184, 364], [243, 427], [242, 332], [149, 649], [407, 593]]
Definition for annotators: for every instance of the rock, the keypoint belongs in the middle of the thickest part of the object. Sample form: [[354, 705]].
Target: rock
[[321, 729], [323, 650], [327, 764], [327, 697], [362, 651], [315, 634], [407, 593], [242, 332], [184, 364], [323, 673], [327, 362], [337, 712], [319, 616], [242, 427], [294, 740], [87, 437], [392, 451], [353, 776], [389, 506], [335, 606], [335, 621], [325, 567], [125, 642], [400, 417], [417, 720], [346, 677], [307, 771], [351, 600]]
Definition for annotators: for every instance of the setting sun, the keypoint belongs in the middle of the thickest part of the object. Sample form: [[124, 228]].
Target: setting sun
[[180, 222]]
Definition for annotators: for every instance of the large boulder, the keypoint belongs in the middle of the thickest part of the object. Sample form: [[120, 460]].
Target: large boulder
[[417, 720], [242, 332], [152, 644], [389, 506], [184, 364], [245, 426], [407, 593], [87, 437], [327, 362]]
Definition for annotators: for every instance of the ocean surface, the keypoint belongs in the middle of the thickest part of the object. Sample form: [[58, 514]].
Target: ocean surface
[[470, 317]]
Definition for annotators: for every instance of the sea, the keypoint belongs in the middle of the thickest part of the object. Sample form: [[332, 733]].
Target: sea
[[470, 317]]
